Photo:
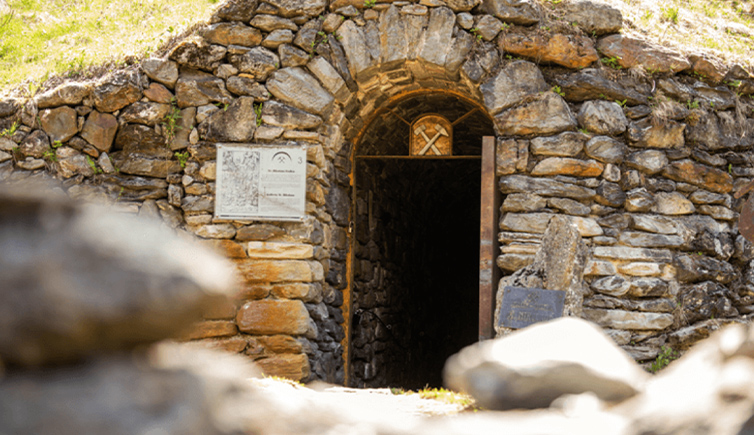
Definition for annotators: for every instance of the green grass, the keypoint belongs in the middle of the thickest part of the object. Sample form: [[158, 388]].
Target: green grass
[[41, 38]]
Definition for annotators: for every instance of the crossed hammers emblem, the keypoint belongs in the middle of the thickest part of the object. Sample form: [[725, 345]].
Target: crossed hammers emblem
[[430, 143]]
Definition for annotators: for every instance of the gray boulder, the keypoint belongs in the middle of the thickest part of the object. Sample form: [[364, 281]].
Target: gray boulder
[[534, 366], [79, 281]]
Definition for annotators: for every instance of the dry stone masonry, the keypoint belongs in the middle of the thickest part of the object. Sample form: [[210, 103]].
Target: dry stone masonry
[[639, 147]]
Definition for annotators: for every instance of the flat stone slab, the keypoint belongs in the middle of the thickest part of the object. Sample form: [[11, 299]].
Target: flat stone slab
[[522, 307]]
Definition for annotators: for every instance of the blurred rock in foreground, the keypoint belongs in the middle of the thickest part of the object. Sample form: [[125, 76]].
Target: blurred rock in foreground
[[79, 280]]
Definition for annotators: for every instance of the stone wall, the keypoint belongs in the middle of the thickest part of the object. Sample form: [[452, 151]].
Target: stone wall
[[642, 150], [380, 329]]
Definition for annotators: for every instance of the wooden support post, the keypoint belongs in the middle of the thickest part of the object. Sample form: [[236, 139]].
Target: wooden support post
[[489, 273]]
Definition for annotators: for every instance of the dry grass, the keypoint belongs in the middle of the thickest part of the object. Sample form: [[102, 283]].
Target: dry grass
[[723, 29], [43, 38]]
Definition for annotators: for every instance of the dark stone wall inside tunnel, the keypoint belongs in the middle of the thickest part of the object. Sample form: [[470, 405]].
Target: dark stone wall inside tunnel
[[416, 253]]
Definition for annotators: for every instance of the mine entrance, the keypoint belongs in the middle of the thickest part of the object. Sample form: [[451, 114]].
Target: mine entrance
[[415, 248]]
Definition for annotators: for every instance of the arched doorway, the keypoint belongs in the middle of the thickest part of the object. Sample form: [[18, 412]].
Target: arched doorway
[[415, 243]]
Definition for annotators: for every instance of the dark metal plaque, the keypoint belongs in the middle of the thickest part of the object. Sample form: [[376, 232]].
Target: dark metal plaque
[[522, 307]]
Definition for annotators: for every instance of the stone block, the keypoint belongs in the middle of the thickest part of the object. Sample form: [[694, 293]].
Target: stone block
[[672, 204], [513, 262], [568, 166], [438, 36], [297, 88], [270, 317], [279, 250], [511, 86], [606, 149], [566, 144], [227, 248], [546, 114], [235, 344], [211, 328], [523, 202], [511, 156], [644, 134], [628, 320], [632, 254], [594, 17], [524, 12], [281, 344], [649, 287], [641, 269], [570, 51], [275, 271], [289, 366], [650, 240], [67, 94], [302, 291], [704, 176], [600, 268], [632, 53], [526, 222], [544, 187], [232, 34], [59, 123]]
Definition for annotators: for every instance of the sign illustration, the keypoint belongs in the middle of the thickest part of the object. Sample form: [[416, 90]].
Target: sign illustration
[[261, 182]]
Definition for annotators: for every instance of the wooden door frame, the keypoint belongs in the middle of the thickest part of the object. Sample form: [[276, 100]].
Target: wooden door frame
[[489, 246]]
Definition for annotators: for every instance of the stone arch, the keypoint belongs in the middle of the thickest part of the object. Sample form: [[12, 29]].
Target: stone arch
[[647, 198]]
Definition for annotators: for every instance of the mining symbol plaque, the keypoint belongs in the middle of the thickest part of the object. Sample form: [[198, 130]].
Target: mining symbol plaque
[[260, 182], [522, 307]]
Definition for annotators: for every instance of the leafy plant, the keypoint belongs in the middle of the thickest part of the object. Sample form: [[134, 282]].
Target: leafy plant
[[182, 157], [612, 62], [170, 122], [504, 27], [475, 31], [730, 168], [665, 357], [258, 112], [692, 104], [93, 165], [622, 103], [584, 131], [49, 154], [558, 91], [10, 131], [670, 14], [733, 83], [369, 3]]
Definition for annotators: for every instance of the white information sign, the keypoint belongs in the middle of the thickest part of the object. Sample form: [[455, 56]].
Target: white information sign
[[260, 182]]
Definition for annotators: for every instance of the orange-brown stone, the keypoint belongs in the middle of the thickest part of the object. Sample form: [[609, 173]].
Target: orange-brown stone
[[567, 166], [296, 290], [226, 248], [289, 366], [224, 309], [235, 344], [270, 317], [280, 344], [570, 51], [211, 328], [275, 271], [251, 291], [158, 93], [708, 68], [631, 53], [700, 175], [279, 250]]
